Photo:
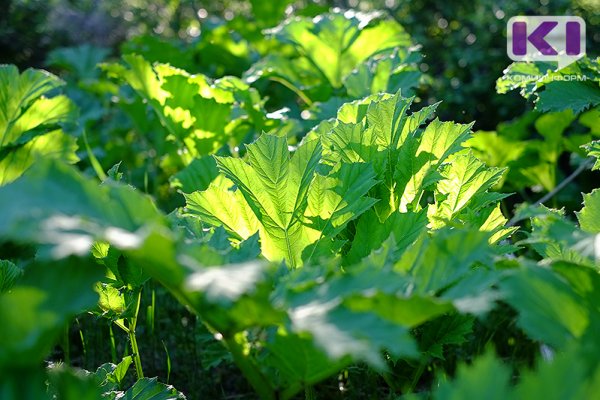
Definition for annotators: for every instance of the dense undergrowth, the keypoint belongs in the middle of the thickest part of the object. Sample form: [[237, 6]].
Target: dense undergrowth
[[305, 228]]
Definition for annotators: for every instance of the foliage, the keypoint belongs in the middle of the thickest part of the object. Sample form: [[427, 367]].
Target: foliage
[[362, 245], [30, 124]]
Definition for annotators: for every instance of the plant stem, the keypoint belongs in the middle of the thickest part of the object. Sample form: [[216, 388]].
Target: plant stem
[[417, 376], [83, 344], [294, 89], [250, 370], [67, 347], [134, 345], [584, 165], [93, 160], [136, 355], [309, 393], [113, 345], [389, 380]]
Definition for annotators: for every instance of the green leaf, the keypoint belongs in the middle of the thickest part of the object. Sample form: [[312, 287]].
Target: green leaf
[[378, 130], [21, 106], [350, 143], [557, 238], [276, 189], [443, 331], [219, 205], [576, 96], [298, 361], [405, 311], [242, 290], [269, 13], [371, 233], [82, 60], [148, 389], [521, 75], [335, 43], [11, 387], [121, 369], [488, 219], [390, 73], [72, 384], [9, 274], [36, 310], [328, 48], [561, 316], [466, 181], [589, 216], [58, 206], [564, 377], [55, 144], [340, 197], [196, 176], [28, 121], [441, 260], [111, 300], [419, 159], [495, 149], [346, 317], [111, 375], [362, 335], [199, 114], [554, 90], [593, 150], [476, 292], [487, 378]]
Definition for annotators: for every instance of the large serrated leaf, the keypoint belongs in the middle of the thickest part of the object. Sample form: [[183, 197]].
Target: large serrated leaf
[[419, 159], [335, 200], [466, 182], [276, 189], [219, 205]]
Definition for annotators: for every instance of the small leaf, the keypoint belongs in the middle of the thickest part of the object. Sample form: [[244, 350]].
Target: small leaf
[[593, 149], [9, 274], [589, 216]]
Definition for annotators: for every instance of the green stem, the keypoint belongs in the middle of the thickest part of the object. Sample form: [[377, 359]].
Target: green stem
[[67, 347], [290, 391], [83, 344], [93, 160], [134, 345], [417, 376], [584, 165], [113, 345], [389, 380], [294, 89], [309, 393], [250, 370], [136, 356]]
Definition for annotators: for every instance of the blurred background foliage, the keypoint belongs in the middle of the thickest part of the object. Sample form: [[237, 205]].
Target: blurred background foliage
[[461, 55], [451, 52], [463, 42]]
